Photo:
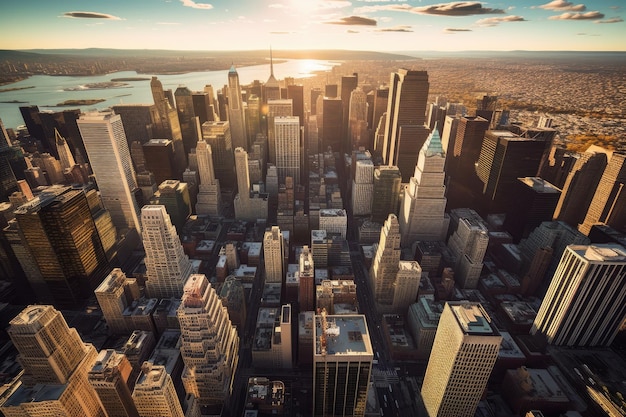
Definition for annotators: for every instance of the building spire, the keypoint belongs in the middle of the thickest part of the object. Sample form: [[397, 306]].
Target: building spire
[[271, 63]]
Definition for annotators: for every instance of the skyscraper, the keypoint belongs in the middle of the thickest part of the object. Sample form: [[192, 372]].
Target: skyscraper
[[114, 294], [423, 216], [468, 244], [358, 134], [276, 108], [342, 365], [586, 301], [109, 377], [209, 343], [330, 120], [236, 112], [65, 156], [362, 187], [56, 363], [274, 253], [186, 117], [209, 195], [306, 269], [608, 205], [249, 205], [140, 121], [154, 393], [287, 143], [103, 134], [348, 84], [405, 132], [160, 160], [218, 136], [167, 266], [464, 352], [387, 182]]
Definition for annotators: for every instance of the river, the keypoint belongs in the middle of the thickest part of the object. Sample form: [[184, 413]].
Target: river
[[47, 91]]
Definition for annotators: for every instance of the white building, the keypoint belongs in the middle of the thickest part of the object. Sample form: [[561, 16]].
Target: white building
[[209, 199], [273, 253], [287, 143], [154, 393], [363, 187], [334, 221]]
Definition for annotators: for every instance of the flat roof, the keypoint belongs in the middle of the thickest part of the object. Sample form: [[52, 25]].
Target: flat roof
[[472, 318], [344, 335]]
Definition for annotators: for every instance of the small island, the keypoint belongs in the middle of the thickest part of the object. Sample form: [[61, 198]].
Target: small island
[[130, 79], [5, 90], [87, 102]]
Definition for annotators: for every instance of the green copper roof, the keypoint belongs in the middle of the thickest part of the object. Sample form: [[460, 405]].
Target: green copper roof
[[434, 143]]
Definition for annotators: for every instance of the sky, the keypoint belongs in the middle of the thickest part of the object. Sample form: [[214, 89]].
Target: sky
[[373, 25]]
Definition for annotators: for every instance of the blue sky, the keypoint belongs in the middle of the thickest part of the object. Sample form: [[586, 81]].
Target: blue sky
[[377, 25]]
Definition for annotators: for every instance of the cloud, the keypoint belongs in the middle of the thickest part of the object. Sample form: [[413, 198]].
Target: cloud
[[563, 5], [611, 20], [168, 23], [578, 16], [194, 5], [333, 4], [276, 6], [455, 30], [282, 33], [495, 21], [400, 28], [352, 31], [463, 8], [353, 21], [90, 15]]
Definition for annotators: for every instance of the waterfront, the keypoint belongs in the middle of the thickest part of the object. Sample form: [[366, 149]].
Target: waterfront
[[47, 91]]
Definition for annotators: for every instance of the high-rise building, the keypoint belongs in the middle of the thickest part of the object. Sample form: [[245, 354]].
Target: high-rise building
[[159, 159], [203, 105], [139, 120], [249, 205], [306, 271], [271, 88], [209, 194], [342, 365], [174, 195], [586, 301], [236, 112], [253, 117], [155, 394], [65, 156], [334, 221], [109, 378], [387, 183], [468, 244], [362, 187], [114, 295], [56, 363], [423, 216], [274, 253], [61, 234], [330, 121], [348, 84], [295, 92], [168, 125], [405, 132], [218, 136], [276, 108], [103, 134], [167, 266], [358, 134], [287, 143], [232, 295], [463, 355], [186, 117], [209, 343], [608, 203]]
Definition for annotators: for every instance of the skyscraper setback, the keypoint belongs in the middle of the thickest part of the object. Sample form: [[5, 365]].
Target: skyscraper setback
[[236, 112]]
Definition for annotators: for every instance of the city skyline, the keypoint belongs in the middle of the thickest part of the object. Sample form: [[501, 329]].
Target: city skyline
[[383, 25]]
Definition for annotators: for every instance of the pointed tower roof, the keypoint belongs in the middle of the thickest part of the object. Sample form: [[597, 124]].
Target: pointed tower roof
[[434, 146], [232, 70], [60, 140], [272, 81]]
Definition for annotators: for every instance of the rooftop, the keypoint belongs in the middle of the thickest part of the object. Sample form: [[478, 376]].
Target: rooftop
[[472, 318], [342, 335]]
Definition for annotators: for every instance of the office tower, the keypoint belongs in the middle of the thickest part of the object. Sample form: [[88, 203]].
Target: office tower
[[209, 195], [203, 106], [167, 266], [271, 88], [274, 253], [236, 112], [448, 135], [468, 244], [387, 182], [114, 294], [463, 355], [584, 176], [61, 234], [381, 99], [55, 362], [348, 84], [139, 120], [208, 89], [209, 343], [315, 93], [138, 157], [334, 221], [253, 117], [306, 271], [330, 90], [465, 150], [295, 92], [534, 202], [363, 187], [249, 205], [159, 159], [186, 117], [232, 295], [423, 216], [436, 116], [505, 157], [174, 195], [110, 161], [586, 301], [342, 364], [331, 124], [218, 136], [109, 378], [12, 167], [405, 132], [154, 393], [65, 156], [276, 108], [287, 143], [423, 318], [607, 204], [358, 134]]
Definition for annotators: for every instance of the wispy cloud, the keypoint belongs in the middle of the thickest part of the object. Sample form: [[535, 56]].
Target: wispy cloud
[[194, 5], [276, 6], [281, 33], [563, 6], [168, 23], [352, 31], [578, 16], [90, 15], [353, 21], [332, 4], [611, 20], [400, 28], [464, 8], [456, 30], [495, 21]]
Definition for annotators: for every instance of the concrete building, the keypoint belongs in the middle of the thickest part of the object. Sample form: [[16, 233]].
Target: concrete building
[[249, 205], [363, 187], [334, 221], [236, 111], [287, 143], [209, 343], [464, 353], [342, 346], [271, 347], [109, 377], [114, 295], [274, 254], [154, 393], [573, 313], [209, 192], [387, 182], [469, 244], [423, 319], [306, 275], [174, 195]]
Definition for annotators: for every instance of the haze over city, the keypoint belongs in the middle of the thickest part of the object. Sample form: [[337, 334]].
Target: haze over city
[[392, 25]]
